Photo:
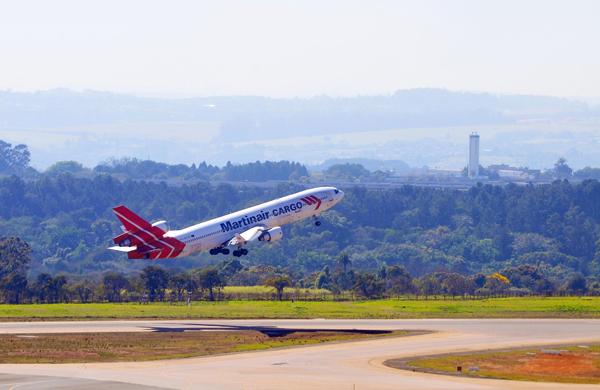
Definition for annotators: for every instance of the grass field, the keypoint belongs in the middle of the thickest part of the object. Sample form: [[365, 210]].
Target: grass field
[[530, 307], [269, 293], [565, 364], [139, 346]]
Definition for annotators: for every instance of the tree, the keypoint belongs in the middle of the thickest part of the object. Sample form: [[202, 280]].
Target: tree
[[61, 167], [576, 285], [429, 285], [478, 280], [544, 286], [344, 280], [561, 169], [50, 289], [113, 283], [527, 276], [13, 159], [182, 283], [155, 280], [344, 261], [279, 283], [496, 283], [14, 287], [398, 280], [14, 256], [323, 279], [209, 279], [57, 291], [368, 285], [456, 284], [587, 173], [347, 171], [84, 291], [42, 287], [14, 261]]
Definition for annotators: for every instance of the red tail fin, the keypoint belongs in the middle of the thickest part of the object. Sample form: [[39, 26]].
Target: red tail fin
[[150, 241], [130, 220]]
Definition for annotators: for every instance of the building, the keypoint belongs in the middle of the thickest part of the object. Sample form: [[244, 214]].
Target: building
[[473, 167]]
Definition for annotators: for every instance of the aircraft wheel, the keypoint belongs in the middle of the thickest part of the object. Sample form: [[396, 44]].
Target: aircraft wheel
[[318, 223], [225, 251], [214, 251], [244, 251], [237, 253]]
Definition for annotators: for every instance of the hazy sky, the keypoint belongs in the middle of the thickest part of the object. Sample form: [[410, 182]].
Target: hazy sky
[[301, 48]]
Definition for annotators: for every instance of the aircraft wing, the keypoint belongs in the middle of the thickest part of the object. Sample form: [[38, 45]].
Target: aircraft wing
[[247, 236]]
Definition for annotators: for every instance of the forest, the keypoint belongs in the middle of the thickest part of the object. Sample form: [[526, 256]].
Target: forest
[[527, 239], [55, 227]]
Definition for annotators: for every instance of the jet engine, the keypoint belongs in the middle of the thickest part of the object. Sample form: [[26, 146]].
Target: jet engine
[[163, 225], [273, 234]]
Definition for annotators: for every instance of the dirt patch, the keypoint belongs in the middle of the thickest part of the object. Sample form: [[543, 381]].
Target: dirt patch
[[565, 364], [139, 346]]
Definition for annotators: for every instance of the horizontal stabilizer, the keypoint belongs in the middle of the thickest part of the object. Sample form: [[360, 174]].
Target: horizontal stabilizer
[[125, 249]]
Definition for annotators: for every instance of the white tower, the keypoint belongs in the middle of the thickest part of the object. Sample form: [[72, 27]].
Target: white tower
[[473, 169]]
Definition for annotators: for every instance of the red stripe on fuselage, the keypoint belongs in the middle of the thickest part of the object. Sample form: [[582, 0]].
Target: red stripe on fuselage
[[307, 200], [317, 200]]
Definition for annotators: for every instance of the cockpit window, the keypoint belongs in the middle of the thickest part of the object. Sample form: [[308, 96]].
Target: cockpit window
[[336, 191]]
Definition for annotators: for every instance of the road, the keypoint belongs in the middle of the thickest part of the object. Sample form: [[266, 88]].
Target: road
[[354, 365]]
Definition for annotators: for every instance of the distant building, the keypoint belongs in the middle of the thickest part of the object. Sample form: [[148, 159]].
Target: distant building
[[513, 174], [473, 168], [510, 173]]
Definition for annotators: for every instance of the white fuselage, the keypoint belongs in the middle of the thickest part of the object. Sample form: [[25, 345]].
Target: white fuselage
[[217, 232]]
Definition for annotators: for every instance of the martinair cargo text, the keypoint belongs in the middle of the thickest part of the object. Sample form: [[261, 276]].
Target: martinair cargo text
[[143, 240]]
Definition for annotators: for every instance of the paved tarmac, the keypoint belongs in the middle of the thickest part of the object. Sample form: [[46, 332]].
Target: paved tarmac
[[353, 365], [28, 382]]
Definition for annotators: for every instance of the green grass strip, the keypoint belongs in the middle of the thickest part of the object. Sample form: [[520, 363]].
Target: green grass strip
[[530, 307]]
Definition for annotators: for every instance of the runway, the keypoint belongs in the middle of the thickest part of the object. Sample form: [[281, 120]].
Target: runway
[[354, 365]]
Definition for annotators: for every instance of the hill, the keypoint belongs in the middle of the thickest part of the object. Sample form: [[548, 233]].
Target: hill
[[419, 126]]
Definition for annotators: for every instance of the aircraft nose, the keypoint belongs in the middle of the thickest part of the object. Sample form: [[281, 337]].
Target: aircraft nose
[[339, 194]]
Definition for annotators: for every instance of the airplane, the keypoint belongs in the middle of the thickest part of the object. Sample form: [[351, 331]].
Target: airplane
[[144, 240]]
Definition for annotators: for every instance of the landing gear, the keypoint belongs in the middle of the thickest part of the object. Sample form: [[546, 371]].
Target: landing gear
[[240, 252], [237, 252], [317, 221], [216, 251]]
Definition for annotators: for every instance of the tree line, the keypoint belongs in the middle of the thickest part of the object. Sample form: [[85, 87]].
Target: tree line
[[155, 284], [15, 160], [254, 171]]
